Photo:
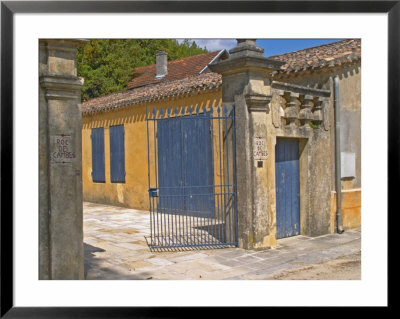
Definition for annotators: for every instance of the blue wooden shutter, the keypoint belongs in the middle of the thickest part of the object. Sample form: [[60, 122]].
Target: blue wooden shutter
[[98, 174], [117, 154]]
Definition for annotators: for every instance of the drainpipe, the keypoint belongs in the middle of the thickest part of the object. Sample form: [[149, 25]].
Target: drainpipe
[[338, 168]]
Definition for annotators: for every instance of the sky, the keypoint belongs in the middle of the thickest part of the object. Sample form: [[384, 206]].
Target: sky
[[271, 46]]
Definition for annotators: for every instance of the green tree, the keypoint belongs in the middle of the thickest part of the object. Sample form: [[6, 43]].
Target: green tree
[[107, 64]]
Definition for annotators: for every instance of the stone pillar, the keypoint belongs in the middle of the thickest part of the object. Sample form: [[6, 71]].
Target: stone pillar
[[60, 179], [246, 83]]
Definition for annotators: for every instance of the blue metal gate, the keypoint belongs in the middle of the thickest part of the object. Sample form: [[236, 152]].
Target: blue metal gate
[[287, 187], [192, 177]]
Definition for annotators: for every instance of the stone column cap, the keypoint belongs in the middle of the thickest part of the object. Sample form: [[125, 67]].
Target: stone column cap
[[247, 61], [246, 55], [247, 47]]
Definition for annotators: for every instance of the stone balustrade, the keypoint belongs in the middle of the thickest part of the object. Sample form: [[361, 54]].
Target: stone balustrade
[[298, 106]]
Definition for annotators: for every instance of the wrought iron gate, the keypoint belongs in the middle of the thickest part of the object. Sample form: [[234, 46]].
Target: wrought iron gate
[[192, 177]]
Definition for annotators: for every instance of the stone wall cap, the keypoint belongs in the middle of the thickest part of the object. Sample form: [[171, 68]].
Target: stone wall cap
[[74, 42], [300, 89]]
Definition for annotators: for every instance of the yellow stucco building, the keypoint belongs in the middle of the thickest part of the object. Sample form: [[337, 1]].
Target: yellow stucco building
[[181, 87]]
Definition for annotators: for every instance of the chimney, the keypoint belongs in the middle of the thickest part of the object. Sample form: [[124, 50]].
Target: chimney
[[161, 64]]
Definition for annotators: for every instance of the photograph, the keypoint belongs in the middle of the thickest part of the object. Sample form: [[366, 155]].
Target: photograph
[[200, 159], [161, 158]]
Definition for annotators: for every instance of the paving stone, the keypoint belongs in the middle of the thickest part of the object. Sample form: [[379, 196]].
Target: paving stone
[[233, 253], [258, 265], [186, 257], [128, 246], [267, 255], [195, 274], [158, 261], [133, 265], [230, 262], [116, 248], [212, 266], [234, 272], [248, 259]]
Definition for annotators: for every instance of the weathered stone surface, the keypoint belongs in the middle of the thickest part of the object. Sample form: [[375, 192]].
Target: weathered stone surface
[[245, 82], [305, 114], [351, 209], [292, 109], [60, 182], [277, 111]]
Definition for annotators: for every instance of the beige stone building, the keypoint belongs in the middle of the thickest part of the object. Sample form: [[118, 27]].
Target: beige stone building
[[316, 67]]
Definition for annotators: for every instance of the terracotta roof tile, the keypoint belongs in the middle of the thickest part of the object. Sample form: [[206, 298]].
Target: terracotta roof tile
[[204, 82], [177, 69], [321, 56]]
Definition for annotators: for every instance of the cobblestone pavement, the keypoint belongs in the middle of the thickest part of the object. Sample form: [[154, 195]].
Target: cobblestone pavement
[[116, 248]]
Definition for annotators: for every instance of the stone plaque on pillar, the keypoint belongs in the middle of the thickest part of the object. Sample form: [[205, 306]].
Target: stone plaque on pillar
[[62, 148], [260, 148]]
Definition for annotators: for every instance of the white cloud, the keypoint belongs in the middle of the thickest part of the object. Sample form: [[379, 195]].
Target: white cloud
[[214, 44]]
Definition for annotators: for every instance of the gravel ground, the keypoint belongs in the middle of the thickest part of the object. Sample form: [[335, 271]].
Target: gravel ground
[[342, 268]]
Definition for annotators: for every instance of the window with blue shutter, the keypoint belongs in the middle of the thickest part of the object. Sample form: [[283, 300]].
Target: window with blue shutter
[[98, 170], [117, 154]]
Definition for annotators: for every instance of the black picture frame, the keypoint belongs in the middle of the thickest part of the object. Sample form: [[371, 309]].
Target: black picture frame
[[9, 8]]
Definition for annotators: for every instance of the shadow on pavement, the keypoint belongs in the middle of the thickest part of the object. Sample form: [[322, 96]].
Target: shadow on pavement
[[99, 271], [90, 260]]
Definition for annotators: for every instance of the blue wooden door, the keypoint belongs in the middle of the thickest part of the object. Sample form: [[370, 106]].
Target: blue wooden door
[[185, 166], [287, 187], [169, 142], [197, 168]]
